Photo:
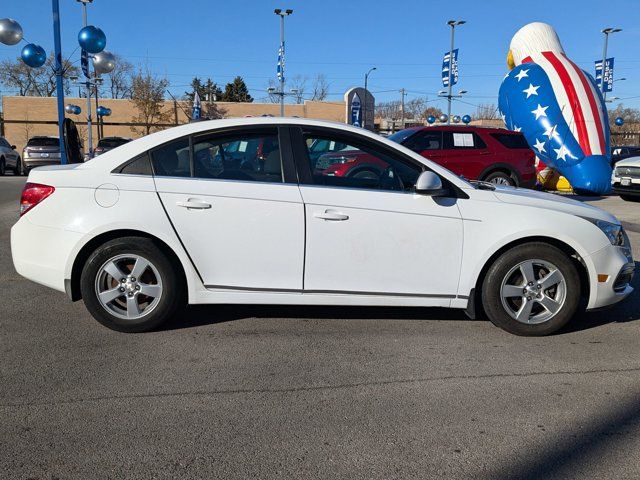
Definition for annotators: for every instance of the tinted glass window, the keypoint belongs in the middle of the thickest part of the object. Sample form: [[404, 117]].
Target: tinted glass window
[[462, 140], [245, 156], [402, 135], [511, 140], [138, 166], [172, 159], [359, 165], [43, 142], [426, 140]]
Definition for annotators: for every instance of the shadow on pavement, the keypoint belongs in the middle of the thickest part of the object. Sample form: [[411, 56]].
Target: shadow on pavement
[[580, 447]]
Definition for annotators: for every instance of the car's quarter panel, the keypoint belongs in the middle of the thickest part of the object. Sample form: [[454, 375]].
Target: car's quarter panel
[[489, 225], [391, 242], [251, 236], [86, 203]]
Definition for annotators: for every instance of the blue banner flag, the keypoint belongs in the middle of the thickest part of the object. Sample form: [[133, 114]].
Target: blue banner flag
[[450, 63], [608, 75], [196, 113], [280, 65]]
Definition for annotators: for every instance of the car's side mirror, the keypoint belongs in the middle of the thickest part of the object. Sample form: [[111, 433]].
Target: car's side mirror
[[13, 147], [429, 183]]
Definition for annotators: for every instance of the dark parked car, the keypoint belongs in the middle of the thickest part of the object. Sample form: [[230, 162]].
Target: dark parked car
[[109, 143], [9, 158]]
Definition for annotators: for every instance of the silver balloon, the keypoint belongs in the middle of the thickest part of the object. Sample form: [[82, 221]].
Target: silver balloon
[[10, 31], [456, 119], [104, 62], [444, 118]]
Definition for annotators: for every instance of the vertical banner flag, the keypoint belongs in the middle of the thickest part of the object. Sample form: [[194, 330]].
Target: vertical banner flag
[[608, 75], [196, 113], [450, 64], [84, 62], [280, 66], [356, 111]]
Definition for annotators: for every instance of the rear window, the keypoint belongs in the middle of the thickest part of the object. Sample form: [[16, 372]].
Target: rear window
[[402, 135], [511, 140], [43, 142], [112, 142]]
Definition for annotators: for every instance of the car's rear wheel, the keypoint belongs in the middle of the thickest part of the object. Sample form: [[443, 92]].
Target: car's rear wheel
[[500, 178], [532, 289], [630, 198], [129, 285]]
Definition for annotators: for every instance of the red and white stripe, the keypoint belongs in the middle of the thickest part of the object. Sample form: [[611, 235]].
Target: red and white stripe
[[577, 98]]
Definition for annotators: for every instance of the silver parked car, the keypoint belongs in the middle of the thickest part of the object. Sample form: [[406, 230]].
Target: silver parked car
[[41, 151], [9, 158]]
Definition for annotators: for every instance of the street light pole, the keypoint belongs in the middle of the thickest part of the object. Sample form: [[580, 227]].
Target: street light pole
[[366, 97], [88, 84], [452, 24], [606, 32], [282, 14]]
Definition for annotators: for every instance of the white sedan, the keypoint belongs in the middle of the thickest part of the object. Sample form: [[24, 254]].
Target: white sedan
[[244, 211], [625, 179]]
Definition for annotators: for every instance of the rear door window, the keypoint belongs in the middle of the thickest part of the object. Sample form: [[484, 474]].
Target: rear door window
[[463, 140], [511, 140]]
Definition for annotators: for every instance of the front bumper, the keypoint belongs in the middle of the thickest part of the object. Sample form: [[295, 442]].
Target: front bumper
[[617, 265], [631, 187]]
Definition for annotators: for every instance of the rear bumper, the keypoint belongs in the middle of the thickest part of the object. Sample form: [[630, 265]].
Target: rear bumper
[[43, 264], [39, 162]]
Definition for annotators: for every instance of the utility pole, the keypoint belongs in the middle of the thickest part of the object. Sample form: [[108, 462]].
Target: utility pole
[[607, 32], [403, 93], [282, 14]]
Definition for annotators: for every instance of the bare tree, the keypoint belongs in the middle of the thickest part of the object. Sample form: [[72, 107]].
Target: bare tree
[[415, 107], [298, 88], [272, 88], [147, 94], [390, 109], [39, 82], [120, 78], [486, 111], [320, 88]]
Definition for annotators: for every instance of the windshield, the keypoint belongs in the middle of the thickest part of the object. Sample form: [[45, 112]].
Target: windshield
[[401, 136]]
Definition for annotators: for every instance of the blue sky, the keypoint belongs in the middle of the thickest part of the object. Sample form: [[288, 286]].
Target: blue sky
[[405, 40]]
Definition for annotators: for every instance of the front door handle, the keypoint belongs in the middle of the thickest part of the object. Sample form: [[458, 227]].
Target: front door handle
[[194, 203], [331, 215]]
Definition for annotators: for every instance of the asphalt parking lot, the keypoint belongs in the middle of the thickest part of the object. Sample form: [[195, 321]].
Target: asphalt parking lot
[[284, 392]]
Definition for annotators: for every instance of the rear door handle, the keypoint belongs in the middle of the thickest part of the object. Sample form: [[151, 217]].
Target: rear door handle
[[194, 203], [331, 215]]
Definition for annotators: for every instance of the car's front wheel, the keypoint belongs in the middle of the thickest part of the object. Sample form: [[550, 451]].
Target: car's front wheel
[[630, 198], [17, 170], [3, 166], [500, 178], [532, 289], [129, 285]]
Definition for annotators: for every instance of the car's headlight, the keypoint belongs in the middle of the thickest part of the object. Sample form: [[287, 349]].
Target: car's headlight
[[615, 233]]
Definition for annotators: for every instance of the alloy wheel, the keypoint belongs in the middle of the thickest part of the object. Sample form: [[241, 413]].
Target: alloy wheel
[[128, 286], [533, 291]]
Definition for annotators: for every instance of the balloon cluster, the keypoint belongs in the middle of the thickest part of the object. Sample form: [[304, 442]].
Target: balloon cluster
[[91, 39], [73, 109], [103, 111]]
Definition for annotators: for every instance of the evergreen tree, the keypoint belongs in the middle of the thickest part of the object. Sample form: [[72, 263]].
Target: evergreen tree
[[237, 91], [208, 91]]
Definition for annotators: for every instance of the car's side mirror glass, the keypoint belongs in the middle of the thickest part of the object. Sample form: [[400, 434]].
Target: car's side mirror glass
[[429, 183], [13, 147]]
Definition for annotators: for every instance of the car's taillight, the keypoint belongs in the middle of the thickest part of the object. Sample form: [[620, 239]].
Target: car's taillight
[[32, 195]]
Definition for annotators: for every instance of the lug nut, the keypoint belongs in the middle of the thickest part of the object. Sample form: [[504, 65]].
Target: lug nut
[[131, 294], [539, 287], [133, 279], [122, 289], [123, 280], [137, 287], [528, 299]]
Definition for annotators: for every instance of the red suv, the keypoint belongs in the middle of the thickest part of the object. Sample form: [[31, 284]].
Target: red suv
[[477, 153]]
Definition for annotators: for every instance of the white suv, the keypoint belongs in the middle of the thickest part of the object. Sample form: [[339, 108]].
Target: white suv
[[238, 211], [625, 179]]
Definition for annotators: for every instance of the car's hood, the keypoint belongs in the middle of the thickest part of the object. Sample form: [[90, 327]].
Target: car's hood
[[629, 162], [549, 201]]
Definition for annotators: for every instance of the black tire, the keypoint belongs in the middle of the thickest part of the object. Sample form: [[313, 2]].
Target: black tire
[[500, 178], [365, 174], [17, 170], [3, 167], [630, 198], [501, 268], [172, 285]]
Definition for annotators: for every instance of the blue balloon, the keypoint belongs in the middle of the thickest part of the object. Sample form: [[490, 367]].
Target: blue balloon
[[466, 118], [619, 121], [92, 39], [33, 55], [431, 119], [103, 111]]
